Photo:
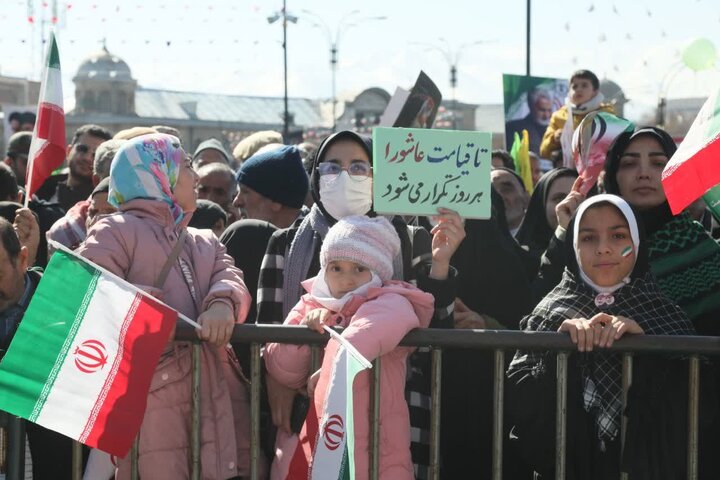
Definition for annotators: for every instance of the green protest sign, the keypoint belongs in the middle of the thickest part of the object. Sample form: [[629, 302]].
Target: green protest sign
[[416, 171]]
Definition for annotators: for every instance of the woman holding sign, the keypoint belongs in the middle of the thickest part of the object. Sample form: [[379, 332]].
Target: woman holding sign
[[341, 184]]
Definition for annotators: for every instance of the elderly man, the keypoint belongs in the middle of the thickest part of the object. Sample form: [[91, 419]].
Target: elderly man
[[216, 182], [210, 151], [273, 185], [540, 102]]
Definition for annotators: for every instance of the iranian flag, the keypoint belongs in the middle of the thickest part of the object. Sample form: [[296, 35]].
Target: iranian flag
[[695, 167], [84, 354], [47, 150], [335, 450]]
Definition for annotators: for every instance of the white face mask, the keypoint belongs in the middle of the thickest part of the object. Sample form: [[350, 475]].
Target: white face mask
[[342, 196]]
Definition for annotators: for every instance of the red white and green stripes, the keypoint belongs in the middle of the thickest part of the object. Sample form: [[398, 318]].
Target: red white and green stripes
[[335, 450], [47, 150], [83, 357], [695, 167]]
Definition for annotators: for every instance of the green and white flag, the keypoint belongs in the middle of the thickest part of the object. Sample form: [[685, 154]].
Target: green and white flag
[[335, 451], [84, 354]]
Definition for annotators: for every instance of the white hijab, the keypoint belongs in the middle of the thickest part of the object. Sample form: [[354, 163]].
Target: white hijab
[[627, 212]]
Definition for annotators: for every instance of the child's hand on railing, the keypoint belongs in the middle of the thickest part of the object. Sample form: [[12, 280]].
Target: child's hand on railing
[[315, 319], [217, 324]]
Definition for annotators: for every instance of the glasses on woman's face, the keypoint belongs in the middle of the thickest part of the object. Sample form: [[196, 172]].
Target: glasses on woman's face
[[356, 170]]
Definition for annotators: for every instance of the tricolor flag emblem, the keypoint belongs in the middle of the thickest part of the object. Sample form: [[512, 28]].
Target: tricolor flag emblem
[[47, 150], [84, 354], [334, 456]]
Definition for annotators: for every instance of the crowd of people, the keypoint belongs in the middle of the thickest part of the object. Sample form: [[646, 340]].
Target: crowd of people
[[284, 234]]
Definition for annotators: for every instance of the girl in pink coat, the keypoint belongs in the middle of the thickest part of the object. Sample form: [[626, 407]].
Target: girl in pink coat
[[353, 290], [153, 185]]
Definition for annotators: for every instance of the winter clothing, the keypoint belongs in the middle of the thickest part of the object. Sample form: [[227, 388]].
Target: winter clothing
[[206, 214], [293, 256], [247, 147], [371, 242], [276, 174], [212, 144], [134, 245], [374, 325]]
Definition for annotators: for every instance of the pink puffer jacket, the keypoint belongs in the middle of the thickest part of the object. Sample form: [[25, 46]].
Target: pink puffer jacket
[[374, 325], [135, 244]]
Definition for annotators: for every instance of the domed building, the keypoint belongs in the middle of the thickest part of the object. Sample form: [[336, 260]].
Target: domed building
[[107, 94], [104, 85]]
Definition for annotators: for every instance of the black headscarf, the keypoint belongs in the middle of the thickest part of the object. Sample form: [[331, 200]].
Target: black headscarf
[[535, 231], [363, 140], [641, 300], [653, 218]]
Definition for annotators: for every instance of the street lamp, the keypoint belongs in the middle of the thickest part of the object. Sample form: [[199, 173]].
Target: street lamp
[[285, 18], [346, 22], [452, 57]]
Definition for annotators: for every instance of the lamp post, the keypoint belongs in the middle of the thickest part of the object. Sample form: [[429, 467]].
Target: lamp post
[[285, 18], [452, 57], [348, 21]]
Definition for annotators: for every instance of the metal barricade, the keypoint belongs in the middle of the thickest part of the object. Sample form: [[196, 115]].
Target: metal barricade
[[498, 341]]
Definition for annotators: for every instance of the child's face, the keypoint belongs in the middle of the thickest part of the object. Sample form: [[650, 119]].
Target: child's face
[[603, 236], [581, 90], [343, 276]]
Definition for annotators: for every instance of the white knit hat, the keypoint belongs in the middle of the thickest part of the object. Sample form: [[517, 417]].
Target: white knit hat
[[371, 242]]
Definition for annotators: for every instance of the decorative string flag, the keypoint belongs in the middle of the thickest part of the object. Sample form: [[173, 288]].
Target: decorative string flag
[[520, 152], [695, 167], [591, 142], [84, 354], [47, 150]]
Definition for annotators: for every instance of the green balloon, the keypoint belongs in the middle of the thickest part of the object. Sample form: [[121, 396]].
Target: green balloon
[[699, 54]]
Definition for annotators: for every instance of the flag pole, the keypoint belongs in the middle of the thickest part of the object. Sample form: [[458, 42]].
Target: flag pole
[[348, 346], [63, 248]]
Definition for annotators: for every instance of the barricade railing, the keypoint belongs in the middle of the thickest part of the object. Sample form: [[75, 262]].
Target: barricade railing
[[499, 341]]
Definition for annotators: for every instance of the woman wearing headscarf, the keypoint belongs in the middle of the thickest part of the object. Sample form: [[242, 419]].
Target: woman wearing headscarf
[[153, 186], [684, 258], [341, 184], [540, 220], [606, 291]]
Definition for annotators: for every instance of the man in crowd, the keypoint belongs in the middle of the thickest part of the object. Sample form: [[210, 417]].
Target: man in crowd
[[536, 122], [17, 155], [210, 151], [47, 213], [273, 185], [515, 198], [216, 182], [71, 229], [67, 190]]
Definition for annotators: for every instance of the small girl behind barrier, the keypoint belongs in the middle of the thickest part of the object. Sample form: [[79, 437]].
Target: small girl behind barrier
[[353, 290]]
